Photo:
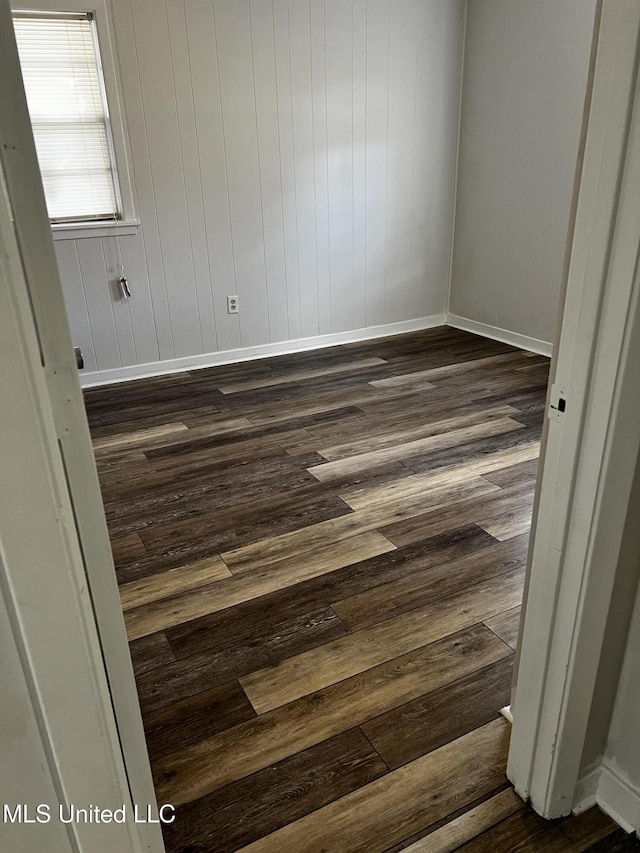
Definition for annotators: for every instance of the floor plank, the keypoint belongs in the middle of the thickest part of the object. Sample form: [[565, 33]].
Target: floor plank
[[174, 581], [350, 524], [365, 498], [448, 370], [405, 450], [271, 737], [587, 829], [258, 805], [150, 653], [296, 376], [506, 526], [432, 463], [210, 598], [354, 653], [454, 834], [393, 436], [524, 832], [201, 716], [617, 842], [261, 617], [417, 528], [237, 653], [418, 588], [506, 626], [385, 811], [427, 723], [515, 475], [195, 538], [127, 547]]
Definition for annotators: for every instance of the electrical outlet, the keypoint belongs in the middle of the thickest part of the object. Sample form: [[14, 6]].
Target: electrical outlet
[[232, 304]]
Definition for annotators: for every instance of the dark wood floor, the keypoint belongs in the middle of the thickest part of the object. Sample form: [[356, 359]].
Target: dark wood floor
[[321, 560]]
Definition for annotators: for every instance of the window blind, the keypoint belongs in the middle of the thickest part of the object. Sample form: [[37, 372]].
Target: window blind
[[63, 84]]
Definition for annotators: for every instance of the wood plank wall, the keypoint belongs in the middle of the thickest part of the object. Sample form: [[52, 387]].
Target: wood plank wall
[[299, 154]]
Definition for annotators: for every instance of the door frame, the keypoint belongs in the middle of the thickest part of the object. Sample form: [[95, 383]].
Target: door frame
[[33, 281], [585, 479], [587, 465]]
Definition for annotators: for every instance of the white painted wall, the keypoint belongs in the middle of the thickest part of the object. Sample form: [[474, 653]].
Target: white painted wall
[[299, 154], [525, 71], [620, 782], [610, 765]]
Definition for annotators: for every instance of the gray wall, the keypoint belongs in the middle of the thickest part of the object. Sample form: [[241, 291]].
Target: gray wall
[[617, 638], [525, 71], [622, 754], [612, 740], [299, 154]]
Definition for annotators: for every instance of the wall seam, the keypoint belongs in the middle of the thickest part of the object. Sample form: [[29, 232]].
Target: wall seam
[[457, 163]]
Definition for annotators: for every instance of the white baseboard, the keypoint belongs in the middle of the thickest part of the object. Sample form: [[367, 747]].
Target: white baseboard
[[608, 787], [211, 359], [618, 796], [502, 335], [585, 795], [506, 713]]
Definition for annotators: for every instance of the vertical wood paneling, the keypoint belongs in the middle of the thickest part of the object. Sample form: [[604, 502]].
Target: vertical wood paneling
[[213, 172], [321, 188], [303, 162], [360, 163], [181, 69], [100, 297], [233, 41], [266, 97], [165, 153], [299, 153], [339, 40], [436, 64], [287, 167], [377, 155], [119, 305], [141, 307], [143, 180], [403, 54], [74, 298]]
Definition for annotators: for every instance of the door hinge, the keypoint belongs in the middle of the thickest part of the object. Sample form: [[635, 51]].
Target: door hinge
[[557, 403]]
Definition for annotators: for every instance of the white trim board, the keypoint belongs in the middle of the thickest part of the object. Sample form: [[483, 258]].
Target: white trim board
[[586, 791], [498, 334], [618, 797], [506, 713], [231, 356], [612, 791]]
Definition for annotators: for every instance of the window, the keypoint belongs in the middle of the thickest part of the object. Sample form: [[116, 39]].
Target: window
[[65, 93], [73, 94]]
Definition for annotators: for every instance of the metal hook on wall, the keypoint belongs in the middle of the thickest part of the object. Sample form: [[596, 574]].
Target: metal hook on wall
[[124, 287]]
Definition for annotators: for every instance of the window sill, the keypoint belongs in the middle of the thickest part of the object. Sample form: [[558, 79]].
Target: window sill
[[78, 230]]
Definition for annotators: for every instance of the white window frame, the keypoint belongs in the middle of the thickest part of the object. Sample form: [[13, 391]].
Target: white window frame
[[128, 222]]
